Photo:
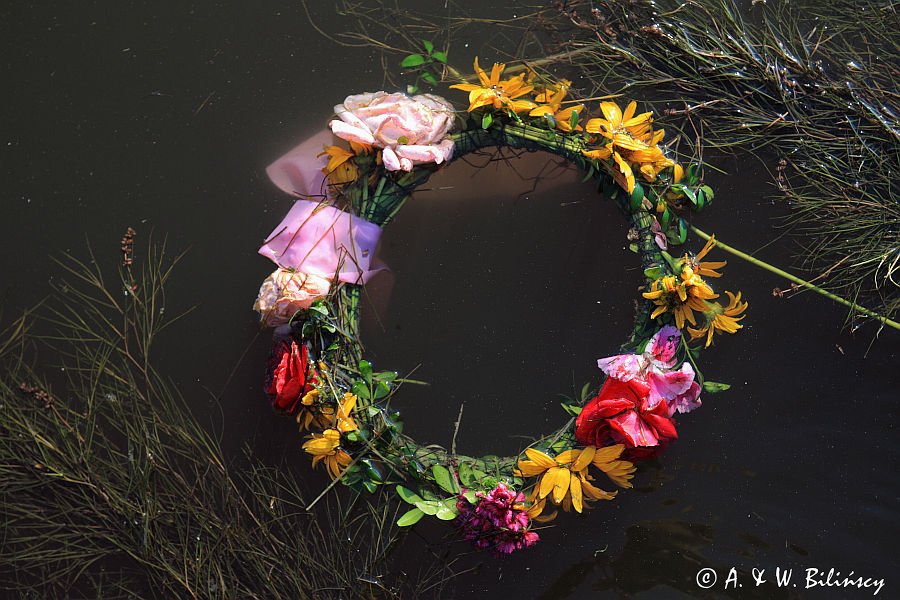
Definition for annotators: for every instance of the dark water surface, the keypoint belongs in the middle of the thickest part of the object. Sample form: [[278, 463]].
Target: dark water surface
[[163, 117]]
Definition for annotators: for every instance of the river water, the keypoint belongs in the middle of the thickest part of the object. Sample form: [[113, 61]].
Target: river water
[[502, 293]]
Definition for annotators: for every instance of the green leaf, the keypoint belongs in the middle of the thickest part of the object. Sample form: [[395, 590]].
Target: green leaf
[[470, 497], [689, 193], [486, 120], [413, 60], [633, 247], [682, 230], [637, 197], [589, 174], [382, 389], [692, 174], [429, 78], [412, 89], [465, 474], [319, 307], [407, 495], [714, 387], [411, 517], [572, 409], [708, 191], [373, 472], [701, 200], [665, 218], [446, 514], [478, 475], [444, 480], [386, 376], [653, 273], [365, 369], [429, 47], [573, 120], [439, 56], [361, 389], [429, 507], [585, 390]]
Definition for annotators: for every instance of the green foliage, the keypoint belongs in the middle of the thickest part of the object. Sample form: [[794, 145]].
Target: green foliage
[[714, 387], [426, 65]]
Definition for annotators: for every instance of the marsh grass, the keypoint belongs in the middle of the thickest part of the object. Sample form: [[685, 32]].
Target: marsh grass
[[809, 87], [111, 488]]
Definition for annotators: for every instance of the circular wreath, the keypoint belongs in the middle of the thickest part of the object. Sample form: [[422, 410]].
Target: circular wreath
[[325, 252]]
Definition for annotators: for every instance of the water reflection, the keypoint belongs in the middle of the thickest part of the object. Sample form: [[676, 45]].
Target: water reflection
[[660, 557]]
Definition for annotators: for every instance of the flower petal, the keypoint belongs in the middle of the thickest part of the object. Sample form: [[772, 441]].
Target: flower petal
[[584, 459], [575, 489], [547, 482], [561, 480], [539, 458]]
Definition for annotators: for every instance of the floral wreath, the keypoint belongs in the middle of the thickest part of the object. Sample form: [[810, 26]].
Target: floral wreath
[[325, 252]]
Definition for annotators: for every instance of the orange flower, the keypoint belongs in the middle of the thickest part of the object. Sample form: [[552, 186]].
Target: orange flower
[[632, 142], [719, 319], [553, 97], [496, 93]]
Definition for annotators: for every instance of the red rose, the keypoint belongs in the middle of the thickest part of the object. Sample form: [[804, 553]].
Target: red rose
[[621, 414], [289, 378]]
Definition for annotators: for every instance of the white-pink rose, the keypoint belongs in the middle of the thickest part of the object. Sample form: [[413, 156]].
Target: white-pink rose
[[284, 292], [411, 131]]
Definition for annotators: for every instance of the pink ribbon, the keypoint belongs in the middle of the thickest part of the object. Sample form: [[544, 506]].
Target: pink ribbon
[[321, 240], [299, 172], [316, 238]]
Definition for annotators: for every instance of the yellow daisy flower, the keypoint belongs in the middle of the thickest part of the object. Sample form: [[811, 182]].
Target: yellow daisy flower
[[565, 481], [632, 142], [552, 97], [340, 169], [681, 296], [708, 268], [311, 414], [496, 93], [325, 447], [625, 130], [721, 320]]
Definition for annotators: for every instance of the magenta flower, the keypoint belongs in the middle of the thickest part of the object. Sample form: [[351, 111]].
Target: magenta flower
[[497, 520], [655, 368]]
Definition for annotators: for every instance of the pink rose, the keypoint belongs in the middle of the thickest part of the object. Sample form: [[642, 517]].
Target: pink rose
[[655, 369], [284, 292], [411, 131]]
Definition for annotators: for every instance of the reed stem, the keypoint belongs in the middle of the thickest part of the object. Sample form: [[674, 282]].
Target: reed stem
[[797, 280]]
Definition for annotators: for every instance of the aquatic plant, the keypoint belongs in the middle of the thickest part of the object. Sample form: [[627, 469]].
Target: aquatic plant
[[111, 488]]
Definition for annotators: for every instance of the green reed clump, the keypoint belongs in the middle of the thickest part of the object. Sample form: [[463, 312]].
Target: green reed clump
[[111, 488], [810, 86]]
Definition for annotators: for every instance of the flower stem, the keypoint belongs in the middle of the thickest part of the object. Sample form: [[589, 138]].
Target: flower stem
[[797, 280]]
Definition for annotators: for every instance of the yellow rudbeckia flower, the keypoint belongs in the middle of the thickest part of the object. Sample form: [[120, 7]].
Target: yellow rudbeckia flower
[[498, 94], [721, 320], [681, 296], [325, 447], [340, 169], [311, 413], [553, 97], [708, 268], [632, 142], [564, 480]]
